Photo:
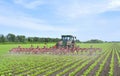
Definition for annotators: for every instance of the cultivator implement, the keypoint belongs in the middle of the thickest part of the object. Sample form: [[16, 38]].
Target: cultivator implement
[[52, 50], [65, 46]]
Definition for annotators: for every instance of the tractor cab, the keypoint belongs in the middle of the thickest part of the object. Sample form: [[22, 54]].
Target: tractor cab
[[68, 40]]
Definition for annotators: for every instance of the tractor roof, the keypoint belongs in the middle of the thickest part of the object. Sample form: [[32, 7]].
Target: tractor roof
[[67, 36]]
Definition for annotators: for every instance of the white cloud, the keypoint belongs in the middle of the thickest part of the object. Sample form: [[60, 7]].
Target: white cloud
[[74, 9], [114, 4], [29, 4], [17, 18], [31, 23]]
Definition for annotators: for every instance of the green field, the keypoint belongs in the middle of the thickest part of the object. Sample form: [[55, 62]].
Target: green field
[[105, 63]]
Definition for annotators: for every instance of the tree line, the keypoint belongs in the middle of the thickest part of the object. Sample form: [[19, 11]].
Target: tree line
[[94, 41], [12, 38]]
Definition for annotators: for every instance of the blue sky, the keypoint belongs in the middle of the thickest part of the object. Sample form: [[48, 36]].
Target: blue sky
[[86, 19]]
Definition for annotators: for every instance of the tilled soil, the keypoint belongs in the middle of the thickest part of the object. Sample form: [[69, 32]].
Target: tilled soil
[[105, 71], [93, 71], [54, 74], [67, 74], [84, 68], [116, 66]]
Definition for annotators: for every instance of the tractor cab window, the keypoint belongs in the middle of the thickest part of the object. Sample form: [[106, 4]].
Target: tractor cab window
[[67, 38], [71, 38]]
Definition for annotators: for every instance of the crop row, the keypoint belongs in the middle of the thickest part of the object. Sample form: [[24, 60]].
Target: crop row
[[112, 65], [86, 72], [102, 65]]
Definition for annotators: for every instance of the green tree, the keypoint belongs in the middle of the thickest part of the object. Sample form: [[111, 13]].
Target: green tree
[[11, 37], [94, 41], [20, 38], [30, 39], [35, 39], [2, 38]]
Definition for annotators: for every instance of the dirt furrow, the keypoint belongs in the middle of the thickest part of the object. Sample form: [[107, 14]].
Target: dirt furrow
[[54, 74], [105, 71], [116, 66], [93, 71], [84, 68]]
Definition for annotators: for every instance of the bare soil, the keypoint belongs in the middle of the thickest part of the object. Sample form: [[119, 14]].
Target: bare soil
[[116, 66], [105, 71]]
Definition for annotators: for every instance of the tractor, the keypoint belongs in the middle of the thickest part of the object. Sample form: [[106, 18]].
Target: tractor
[[64, 46], [66, 41]]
